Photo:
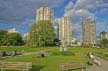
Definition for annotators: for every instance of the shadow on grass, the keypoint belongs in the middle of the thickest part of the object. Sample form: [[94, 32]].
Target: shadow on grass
[[37, 68]]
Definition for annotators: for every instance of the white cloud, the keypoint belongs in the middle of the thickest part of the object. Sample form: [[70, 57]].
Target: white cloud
[[81, 10], [76, 31], [28, 21], [77, 27], [104, 11], [87, 4], [55, 24], [103, 5], [11, 11], [84, 13], [83, 7], [101, 26], [69, 6], [80, 14]]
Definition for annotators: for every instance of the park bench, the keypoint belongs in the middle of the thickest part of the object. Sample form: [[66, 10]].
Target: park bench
[[73, 66], [24, 66]]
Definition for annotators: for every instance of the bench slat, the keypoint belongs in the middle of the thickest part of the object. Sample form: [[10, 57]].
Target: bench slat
[[16, 65], [72, 66]]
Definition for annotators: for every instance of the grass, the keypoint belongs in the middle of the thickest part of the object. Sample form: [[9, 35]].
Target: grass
[[22, 48], [54, 58], [67, 53]]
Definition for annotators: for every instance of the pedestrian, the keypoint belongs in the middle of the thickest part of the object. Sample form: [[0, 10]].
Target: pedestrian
[[14, 53]]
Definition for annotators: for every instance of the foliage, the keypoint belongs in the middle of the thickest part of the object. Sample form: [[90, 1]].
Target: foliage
[[104, 43], [9, 38], [57, 41], [41, 34], [14, 38], [2, 36]]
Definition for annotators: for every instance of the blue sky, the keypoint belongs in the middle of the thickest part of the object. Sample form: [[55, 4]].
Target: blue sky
[[20, 14]]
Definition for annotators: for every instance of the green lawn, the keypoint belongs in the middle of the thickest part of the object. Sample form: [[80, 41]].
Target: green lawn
[[54, 58], [22, 48]]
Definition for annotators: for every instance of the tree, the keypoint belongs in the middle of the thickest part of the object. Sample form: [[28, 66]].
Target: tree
[[41, 34], [57, 41], [13, 39], [104, 43], [7, 38], [2, 36]]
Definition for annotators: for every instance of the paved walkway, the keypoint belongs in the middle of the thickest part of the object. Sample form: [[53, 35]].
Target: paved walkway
[[29, 53], [104, 66]]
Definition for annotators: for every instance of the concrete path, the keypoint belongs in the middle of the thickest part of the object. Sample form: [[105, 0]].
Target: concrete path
[[30, 53], [27, 53], [104, 66]]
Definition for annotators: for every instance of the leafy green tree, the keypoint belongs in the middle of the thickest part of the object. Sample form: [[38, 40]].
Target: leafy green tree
[[41, 34], [13, 39], [57, 41], [104, 43], [9, 38], [2, 36]]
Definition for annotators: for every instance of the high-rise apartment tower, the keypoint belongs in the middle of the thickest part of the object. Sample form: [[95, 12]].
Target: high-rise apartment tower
[[89, 32], [65, 32], [44, 13]]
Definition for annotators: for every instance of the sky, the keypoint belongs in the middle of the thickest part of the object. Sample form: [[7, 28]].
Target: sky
[[21, 14]]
